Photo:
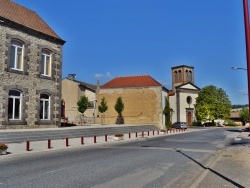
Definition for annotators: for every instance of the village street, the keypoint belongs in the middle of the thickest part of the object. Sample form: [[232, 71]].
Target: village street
[[207, 158]]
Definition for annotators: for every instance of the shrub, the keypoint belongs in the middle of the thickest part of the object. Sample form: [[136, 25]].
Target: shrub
[[119, 135], [3, 146], [230, 123]]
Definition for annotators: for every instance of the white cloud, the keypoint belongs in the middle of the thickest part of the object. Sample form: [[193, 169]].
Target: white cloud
[[106, 75]]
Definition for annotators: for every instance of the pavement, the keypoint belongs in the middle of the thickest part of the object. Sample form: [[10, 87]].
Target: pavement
[[31, 147]]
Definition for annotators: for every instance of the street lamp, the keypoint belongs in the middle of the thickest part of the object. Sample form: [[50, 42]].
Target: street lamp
[[237, 68]]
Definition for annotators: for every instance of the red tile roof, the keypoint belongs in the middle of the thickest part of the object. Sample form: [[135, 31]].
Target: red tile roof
[[131, 81], [28, 18]]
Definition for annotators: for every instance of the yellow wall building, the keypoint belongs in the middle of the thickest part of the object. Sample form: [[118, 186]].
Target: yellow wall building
[[143, 97], [72, 91]]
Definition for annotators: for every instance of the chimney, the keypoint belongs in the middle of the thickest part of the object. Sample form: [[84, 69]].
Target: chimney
[[71, 76]]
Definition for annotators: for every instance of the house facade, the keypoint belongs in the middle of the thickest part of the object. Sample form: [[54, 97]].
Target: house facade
[[72, 91], [183, 96], [143, 97], [30, 69]]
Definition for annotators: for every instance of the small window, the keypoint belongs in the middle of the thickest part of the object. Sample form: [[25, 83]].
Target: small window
[[16, 55], [91, 104], [44, 107], [14, 105], [46, 63]]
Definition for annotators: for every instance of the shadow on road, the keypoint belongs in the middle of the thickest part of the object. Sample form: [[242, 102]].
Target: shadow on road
[[235, 130], [211, 170]]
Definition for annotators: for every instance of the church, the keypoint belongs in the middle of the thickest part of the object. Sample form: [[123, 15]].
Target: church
[[182, 97]]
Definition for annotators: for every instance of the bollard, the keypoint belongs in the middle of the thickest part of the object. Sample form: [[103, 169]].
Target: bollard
[[49, 144], [129, 135], [27, 145], [136, 134], [95, 139], [148, 133], [67, 142], [106, 138], [142, 134], [153, 132], [82, 140]]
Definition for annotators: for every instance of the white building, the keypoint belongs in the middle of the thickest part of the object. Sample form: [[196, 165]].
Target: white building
[[183, 96]]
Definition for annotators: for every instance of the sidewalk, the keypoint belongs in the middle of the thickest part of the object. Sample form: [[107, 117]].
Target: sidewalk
[[24, 148], [231, 168], [16, 149]]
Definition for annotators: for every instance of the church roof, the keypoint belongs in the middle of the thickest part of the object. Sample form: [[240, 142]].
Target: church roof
[[180, 86], [12, 12], [132, 81]]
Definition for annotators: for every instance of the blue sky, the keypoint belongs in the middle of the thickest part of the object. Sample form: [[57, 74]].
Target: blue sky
[[109, 38]]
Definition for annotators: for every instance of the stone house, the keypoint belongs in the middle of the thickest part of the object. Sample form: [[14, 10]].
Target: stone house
[[30, 69], [72, 91], [183, 96], [144, 99]]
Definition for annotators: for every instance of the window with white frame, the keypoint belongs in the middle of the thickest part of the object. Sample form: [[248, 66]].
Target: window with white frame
[[16, 55], [44, 107], [46, 62], [14, 105]]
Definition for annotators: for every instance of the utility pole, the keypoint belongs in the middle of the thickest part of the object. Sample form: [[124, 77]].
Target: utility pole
[[247, 35]]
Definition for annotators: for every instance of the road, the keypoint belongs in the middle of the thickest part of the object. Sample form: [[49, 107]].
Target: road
[[169, 161]]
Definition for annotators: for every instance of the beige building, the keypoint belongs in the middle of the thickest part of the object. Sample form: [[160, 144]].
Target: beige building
[[183, 96], [72, 91], [30, 69], [144, 99]]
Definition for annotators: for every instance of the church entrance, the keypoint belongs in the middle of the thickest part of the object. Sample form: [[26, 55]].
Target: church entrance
[[189, 118]]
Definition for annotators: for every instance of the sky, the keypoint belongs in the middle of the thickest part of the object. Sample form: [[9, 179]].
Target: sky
[[110, 38]]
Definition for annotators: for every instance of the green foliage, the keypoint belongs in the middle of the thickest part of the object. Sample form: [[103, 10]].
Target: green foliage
[[244, 115], [167, 114], [212, 103], [82, 104], [230, 122], [103, 107], [239, 106], [119, 106]]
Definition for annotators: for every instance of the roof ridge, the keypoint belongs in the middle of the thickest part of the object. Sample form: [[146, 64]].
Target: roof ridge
[[133, 76]]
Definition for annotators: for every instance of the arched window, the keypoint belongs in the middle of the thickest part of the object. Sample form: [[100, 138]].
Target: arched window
[[190, 76], [175, 76], [179, 76], [187, 76], [44, 107], [16, 55], [46, 63], [14, 105]]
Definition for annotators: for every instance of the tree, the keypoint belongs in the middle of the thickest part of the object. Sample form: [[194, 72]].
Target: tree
[[167, 114], [212, 103], [244, 115], [103, 107], [119, 107], [82, 106]]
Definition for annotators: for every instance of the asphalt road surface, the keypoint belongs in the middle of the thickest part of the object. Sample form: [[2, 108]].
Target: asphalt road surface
[[167, 161]]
